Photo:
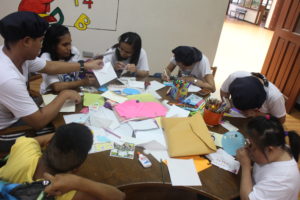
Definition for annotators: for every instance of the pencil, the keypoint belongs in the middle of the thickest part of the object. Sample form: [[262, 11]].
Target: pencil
[[162, 172], [112, 133]]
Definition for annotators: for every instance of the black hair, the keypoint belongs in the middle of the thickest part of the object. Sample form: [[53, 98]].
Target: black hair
[[52, 39], [19, 25], [135, 41], [247, 93], [68, 148], [262, 77], [268, 131], [187, 55]]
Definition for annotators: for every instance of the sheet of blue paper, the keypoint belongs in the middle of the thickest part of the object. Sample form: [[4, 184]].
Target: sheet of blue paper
[[232, 141]]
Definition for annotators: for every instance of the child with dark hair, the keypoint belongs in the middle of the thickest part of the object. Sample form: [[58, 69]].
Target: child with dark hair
[[254, 95], [193, 66], [128, 55], [275, 173], [57, 46], [23, 34], [65, 151]]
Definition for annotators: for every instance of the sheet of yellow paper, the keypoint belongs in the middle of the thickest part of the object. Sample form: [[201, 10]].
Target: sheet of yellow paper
[[200, 162], [143, 97], [91, 99]]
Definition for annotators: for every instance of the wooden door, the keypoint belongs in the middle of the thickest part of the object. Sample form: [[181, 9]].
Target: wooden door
[[282, 63]]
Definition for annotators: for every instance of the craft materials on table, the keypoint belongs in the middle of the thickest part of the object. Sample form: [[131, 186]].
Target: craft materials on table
[[179, 90], [69, 106], [125, 150], [92, 99], [232, 141], [213, 112]]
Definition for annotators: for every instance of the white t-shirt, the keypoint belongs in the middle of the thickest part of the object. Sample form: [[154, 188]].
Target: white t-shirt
[[274, 103], [276, 181], [50, 79], [141, 65], [200, 69], [15, 101]]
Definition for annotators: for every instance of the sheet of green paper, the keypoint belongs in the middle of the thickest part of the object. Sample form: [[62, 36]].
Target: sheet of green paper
[[143, 97], [90, 99]]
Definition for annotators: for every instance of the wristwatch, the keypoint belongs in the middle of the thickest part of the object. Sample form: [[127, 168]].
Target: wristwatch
[[195, 81], [81, 62]]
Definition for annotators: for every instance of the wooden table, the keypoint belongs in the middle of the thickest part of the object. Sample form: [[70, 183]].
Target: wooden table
[[140, 183]]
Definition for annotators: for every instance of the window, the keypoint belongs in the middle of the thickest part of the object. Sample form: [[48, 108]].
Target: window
[[253, 4]]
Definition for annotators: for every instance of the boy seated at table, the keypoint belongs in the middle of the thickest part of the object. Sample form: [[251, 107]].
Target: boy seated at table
[[64, 152]]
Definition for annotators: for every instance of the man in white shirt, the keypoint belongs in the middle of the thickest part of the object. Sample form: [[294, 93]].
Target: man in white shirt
[[23, 35]]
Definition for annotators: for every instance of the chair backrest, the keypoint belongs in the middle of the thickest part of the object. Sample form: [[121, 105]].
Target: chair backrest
[[214, 70]]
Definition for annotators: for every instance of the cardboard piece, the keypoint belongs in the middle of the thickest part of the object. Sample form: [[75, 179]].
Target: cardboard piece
[[187, 136]]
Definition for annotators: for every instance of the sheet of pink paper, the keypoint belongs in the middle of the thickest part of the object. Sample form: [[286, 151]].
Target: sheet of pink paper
[[84, 110], [133, 109]]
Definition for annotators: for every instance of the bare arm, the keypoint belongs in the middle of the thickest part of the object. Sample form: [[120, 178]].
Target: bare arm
[[44, 139], [246, 184], [168, 71], [86, 189], [208, 84], [43, 116], [142, 73], [87, 81], [57, 67]]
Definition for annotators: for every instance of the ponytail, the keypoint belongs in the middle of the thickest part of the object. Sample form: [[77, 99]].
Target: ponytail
[[294, 142]]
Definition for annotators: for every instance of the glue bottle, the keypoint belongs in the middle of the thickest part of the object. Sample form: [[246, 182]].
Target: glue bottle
[[144, 160]]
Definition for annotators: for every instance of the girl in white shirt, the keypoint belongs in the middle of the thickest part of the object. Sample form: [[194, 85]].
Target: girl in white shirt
[[128, 56], [57, 46], [193, 66], [275, 174]]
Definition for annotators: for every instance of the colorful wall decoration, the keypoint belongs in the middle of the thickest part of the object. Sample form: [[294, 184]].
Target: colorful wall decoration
[[81, 14]]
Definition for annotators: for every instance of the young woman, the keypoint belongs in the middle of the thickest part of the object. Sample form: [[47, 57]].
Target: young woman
[[57, 45], [128, 56], [193, 66], [254, 95], [275, 174]]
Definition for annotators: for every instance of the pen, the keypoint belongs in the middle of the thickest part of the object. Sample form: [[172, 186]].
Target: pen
[[162, 173], [112, 133], [165, 72]]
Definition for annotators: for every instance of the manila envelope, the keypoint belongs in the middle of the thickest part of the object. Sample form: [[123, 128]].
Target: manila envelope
[[186, 136]]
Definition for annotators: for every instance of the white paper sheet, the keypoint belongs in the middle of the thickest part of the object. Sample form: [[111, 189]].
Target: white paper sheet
[[183, 172], [229, 126], [151, 139], [159, 155], [125, 80], [146, 124], [106, 74], [104, 117], [155, 85], [124, 130], [69, 106], [113, 96], [194, 88], [225, 161], [136, 84], [176, 111], [76, 118]]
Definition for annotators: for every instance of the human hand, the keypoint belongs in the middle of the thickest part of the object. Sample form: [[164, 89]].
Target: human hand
[[93, 64], [165, 76], [71, 95], [131, 68], [90, 80], [119, 66], [187, 79], [251, 112], [60, 183], [242, 156]]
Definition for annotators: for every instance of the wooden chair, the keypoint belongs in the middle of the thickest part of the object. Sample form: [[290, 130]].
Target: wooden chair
[[214, 70]]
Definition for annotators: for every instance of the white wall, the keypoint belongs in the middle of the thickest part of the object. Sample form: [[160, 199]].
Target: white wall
[[163, 25], [270, 15]]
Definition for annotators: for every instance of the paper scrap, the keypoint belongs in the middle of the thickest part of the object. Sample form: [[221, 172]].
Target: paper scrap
[[200, 162], [113, 96], [106, 74], [145, 97], [229, 126], [123, 151], [146, 124], [69, 106], [217, 137], [92, 99], [176, 111]]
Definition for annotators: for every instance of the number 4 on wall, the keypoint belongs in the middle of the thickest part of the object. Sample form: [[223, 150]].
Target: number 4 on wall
[[88, 2]]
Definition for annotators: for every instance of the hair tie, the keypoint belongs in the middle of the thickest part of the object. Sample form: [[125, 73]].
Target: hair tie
[[267, 117], [286, 133]]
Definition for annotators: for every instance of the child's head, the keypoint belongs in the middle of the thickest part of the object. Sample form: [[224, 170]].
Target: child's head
[[247, 93], [266, 133], [58, 42], [68, 148], [186, 56], [23, 25], [129, 46]]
